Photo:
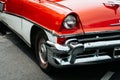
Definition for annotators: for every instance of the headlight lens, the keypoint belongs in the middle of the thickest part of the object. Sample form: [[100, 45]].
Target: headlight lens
[[70, 22]]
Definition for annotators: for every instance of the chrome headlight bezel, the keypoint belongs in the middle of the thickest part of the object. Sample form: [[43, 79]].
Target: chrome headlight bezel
[[70, 22]]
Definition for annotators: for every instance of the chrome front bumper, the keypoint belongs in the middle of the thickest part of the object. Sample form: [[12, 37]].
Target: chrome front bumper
[[72, 48]]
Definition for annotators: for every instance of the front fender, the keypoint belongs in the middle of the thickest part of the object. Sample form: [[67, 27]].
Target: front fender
[[46, 14]]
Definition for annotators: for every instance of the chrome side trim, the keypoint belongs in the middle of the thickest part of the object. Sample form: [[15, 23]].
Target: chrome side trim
[[41, 26], [115, 24], [64, 35], [101, 44]]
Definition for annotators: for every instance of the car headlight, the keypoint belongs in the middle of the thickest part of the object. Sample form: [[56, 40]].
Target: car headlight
[[70, 22]]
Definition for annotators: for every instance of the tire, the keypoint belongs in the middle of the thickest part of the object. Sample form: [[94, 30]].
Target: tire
[[41, 52]]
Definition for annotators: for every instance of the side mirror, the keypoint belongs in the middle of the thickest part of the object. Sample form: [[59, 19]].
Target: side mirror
[[2, 6]]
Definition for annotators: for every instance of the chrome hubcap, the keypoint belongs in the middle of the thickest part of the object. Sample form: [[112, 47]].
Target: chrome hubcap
[[43, 53]]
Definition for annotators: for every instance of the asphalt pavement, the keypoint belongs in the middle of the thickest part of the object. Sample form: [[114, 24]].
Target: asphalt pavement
[[18, 62]]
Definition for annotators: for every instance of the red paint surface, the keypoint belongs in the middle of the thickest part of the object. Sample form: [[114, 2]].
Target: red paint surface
[[95, 16]]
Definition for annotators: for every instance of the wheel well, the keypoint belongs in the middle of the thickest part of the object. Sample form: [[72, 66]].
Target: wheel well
[[33, 34]]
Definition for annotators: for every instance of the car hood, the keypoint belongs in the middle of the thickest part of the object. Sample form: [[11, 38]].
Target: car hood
[[95, 15]]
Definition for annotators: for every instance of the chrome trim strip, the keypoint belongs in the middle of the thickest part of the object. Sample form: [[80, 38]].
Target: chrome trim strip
[[58, 35], [102, 32], [116, 24], [101, 44], [90, 33], [41, 26], [84, 60]]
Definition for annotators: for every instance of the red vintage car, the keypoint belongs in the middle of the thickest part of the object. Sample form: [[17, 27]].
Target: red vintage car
[[66, 32]]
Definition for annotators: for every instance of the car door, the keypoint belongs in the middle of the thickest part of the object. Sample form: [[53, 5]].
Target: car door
[[12, 14]]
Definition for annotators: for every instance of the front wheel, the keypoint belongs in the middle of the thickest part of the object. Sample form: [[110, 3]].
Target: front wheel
[[41, 52]]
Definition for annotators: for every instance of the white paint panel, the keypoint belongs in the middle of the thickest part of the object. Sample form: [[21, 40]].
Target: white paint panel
[[13, 22], [21, 26], [26, 30]]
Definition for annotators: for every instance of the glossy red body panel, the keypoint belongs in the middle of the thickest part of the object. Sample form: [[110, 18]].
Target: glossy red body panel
[[14, 6], [94, 15], [44, 14], [48, 15]]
